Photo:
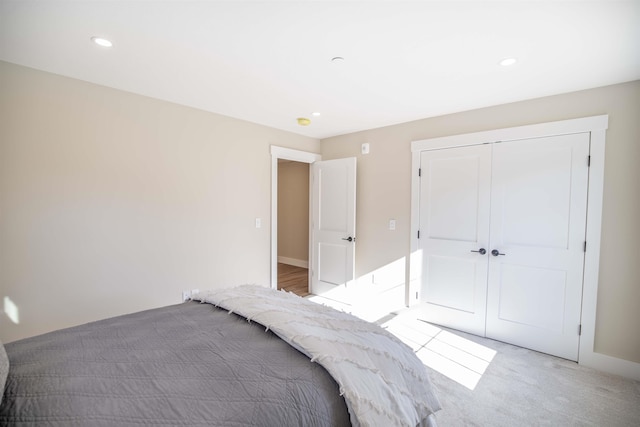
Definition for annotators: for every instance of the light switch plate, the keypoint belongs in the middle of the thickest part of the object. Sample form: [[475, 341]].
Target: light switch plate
[[365, 148], [392, 224]]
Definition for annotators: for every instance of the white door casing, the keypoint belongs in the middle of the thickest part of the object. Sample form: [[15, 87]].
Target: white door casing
[[286, 154], [333, 228]]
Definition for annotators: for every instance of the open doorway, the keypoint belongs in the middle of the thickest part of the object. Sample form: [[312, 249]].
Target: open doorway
[[293, 227], [278, 156], [331, 241]]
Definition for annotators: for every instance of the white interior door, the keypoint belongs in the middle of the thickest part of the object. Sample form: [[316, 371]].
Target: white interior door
[[454, 231], [538, 219], [333, 228]]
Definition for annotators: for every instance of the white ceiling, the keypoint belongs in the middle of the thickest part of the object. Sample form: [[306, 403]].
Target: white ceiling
[[269, 62]]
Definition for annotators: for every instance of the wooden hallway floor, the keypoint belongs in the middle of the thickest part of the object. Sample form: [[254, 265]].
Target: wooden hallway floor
[[293, 279]]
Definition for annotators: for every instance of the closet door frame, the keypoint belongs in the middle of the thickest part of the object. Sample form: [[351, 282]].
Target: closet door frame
[[596, 126]]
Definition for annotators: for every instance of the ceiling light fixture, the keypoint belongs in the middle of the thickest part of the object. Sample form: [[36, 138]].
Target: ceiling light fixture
[[303, 121], [337, 59], [315, 114], [101, 41], [508, 62]]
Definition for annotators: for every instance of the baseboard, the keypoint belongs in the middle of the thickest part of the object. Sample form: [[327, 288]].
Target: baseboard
[[612, 365], [294, 262]]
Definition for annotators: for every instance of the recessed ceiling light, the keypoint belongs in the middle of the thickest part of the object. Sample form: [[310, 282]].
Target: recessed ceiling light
[[337, 59], [101, 41], [508, 61], [315, 114]]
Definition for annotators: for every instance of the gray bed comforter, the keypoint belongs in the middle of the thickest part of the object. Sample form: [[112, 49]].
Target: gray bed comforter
[[187, 364]]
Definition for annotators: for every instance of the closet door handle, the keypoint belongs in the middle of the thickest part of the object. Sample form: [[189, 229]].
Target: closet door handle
[[481, 251], [496, 252], [348, 239]]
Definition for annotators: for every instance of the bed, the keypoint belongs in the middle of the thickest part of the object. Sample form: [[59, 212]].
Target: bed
[[235, 357]]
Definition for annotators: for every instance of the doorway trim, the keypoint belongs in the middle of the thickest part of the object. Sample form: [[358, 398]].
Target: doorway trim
[[296, 156], [596, 126]]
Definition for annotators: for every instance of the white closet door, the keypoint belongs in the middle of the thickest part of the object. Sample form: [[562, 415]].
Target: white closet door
[[454, 221], [538, 219]]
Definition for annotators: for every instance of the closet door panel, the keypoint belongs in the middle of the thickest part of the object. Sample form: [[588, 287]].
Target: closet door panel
[[538, 218], [454, 218], [525, 290], [532, 195]]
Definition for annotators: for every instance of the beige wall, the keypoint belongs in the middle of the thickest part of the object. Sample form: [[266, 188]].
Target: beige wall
[[112, 202], [384, 183], [293, 210]]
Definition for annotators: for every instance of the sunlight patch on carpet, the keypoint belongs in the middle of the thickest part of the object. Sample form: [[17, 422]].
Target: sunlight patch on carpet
[[457, 358]]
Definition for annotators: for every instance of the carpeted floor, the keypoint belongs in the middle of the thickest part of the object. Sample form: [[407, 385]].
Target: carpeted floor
[[481, 382]]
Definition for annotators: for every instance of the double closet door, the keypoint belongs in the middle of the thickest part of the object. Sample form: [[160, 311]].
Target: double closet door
[[502, 235]]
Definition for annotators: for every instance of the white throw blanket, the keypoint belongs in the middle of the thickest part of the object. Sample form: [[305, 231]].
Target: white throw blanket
[[382, 380]]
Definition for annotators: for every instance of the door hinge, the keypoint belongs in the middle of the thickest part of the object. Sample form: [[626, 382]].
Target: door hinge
[[579, 330], [416, 294], [588, 161], [585, 246], [418, 234], [419, 171]]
